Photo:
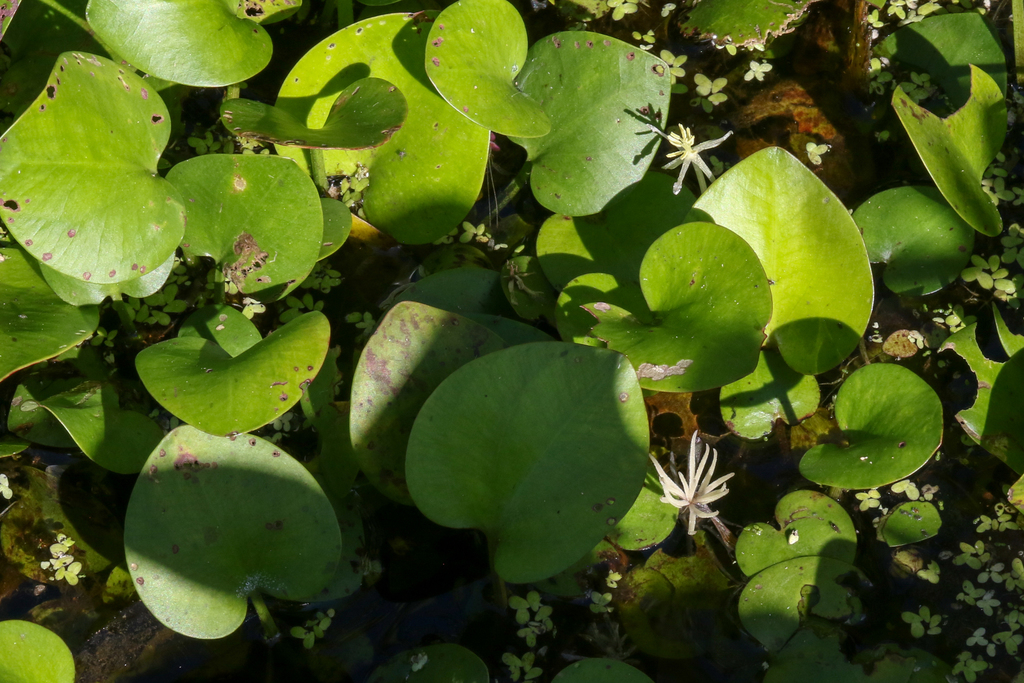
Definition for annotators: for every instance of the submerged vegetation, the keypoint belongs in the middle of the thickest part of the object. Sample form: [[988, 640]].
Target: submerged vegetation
[[365, 342]]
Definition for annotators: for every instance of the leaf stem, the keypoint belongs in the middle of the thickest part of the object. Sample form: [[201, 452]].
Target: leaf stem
[[346, 15], [270, 630], [498, 583], [1018, 38], [318, 170]]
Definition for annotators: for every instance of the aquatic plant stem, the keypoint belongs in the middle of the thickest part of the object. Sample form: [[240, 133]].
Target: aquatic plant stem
[[509, 193], [346, 15], [498, 583], [270, 630], [318, 170], [1018, 39]]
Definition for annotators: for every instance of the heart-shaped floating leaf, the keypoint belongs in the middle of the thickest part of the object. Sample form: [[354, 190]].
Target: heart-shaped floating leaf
[[574, 322], [196, 42], [337, 226], [773, 391], [893, 421], [770, 605], [204, 385], [994, 421], [441, 663], [945, 46], [224, 325], [820, 306], [918, 234], [474, 53], [32, 654], [602, 95], [466, 291], [658, 601], [427, 178], [601, 671], [542, 446], [81, 293], [649, 520], [213, 520], [746, 23], [66, 30], [615, 240], [810, 523], [34, 323], [956, 150], [709, 302], [412, 351], [814, 654], [108, 217], [117, 439], [909, 522], [257, 216], [366, 114], [29, 420]]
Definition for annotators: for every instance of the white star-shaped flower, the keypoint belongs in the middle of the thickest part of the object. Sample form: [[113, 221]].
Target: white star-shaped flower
[[687, 153], [693, 494]]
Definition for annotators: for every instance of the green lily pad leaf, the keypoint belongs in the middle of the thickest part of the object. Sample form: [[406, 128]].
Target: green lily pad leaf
[[994, 421], [427, 178], [657, 599], [945, 47], [649, 521], [503, 441], [257, 216], [613, 241], [202, 384], [323, 389], [46, 507], [709, 303], [441, 663], [612, 91], [466, 291], [223, 325], [29, 420], [512, 332], [12, 445], [528, 291], [773, 391], [117, 439], [821, 306], [34, 323], [918, 234], [776, 600], [909, 522], [956, 150], [601, 671], [893, 421], [213, 520], [267, 12], [413, 350], [109, 217], [81, 293], [336, 467], [33, 654], [66, 30], [337, 226], [574, 322], [812, 656], [1012, 343], [348, 577], [195, 42], [474, 53], [744, 23], [810, 523], [366, 114]]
